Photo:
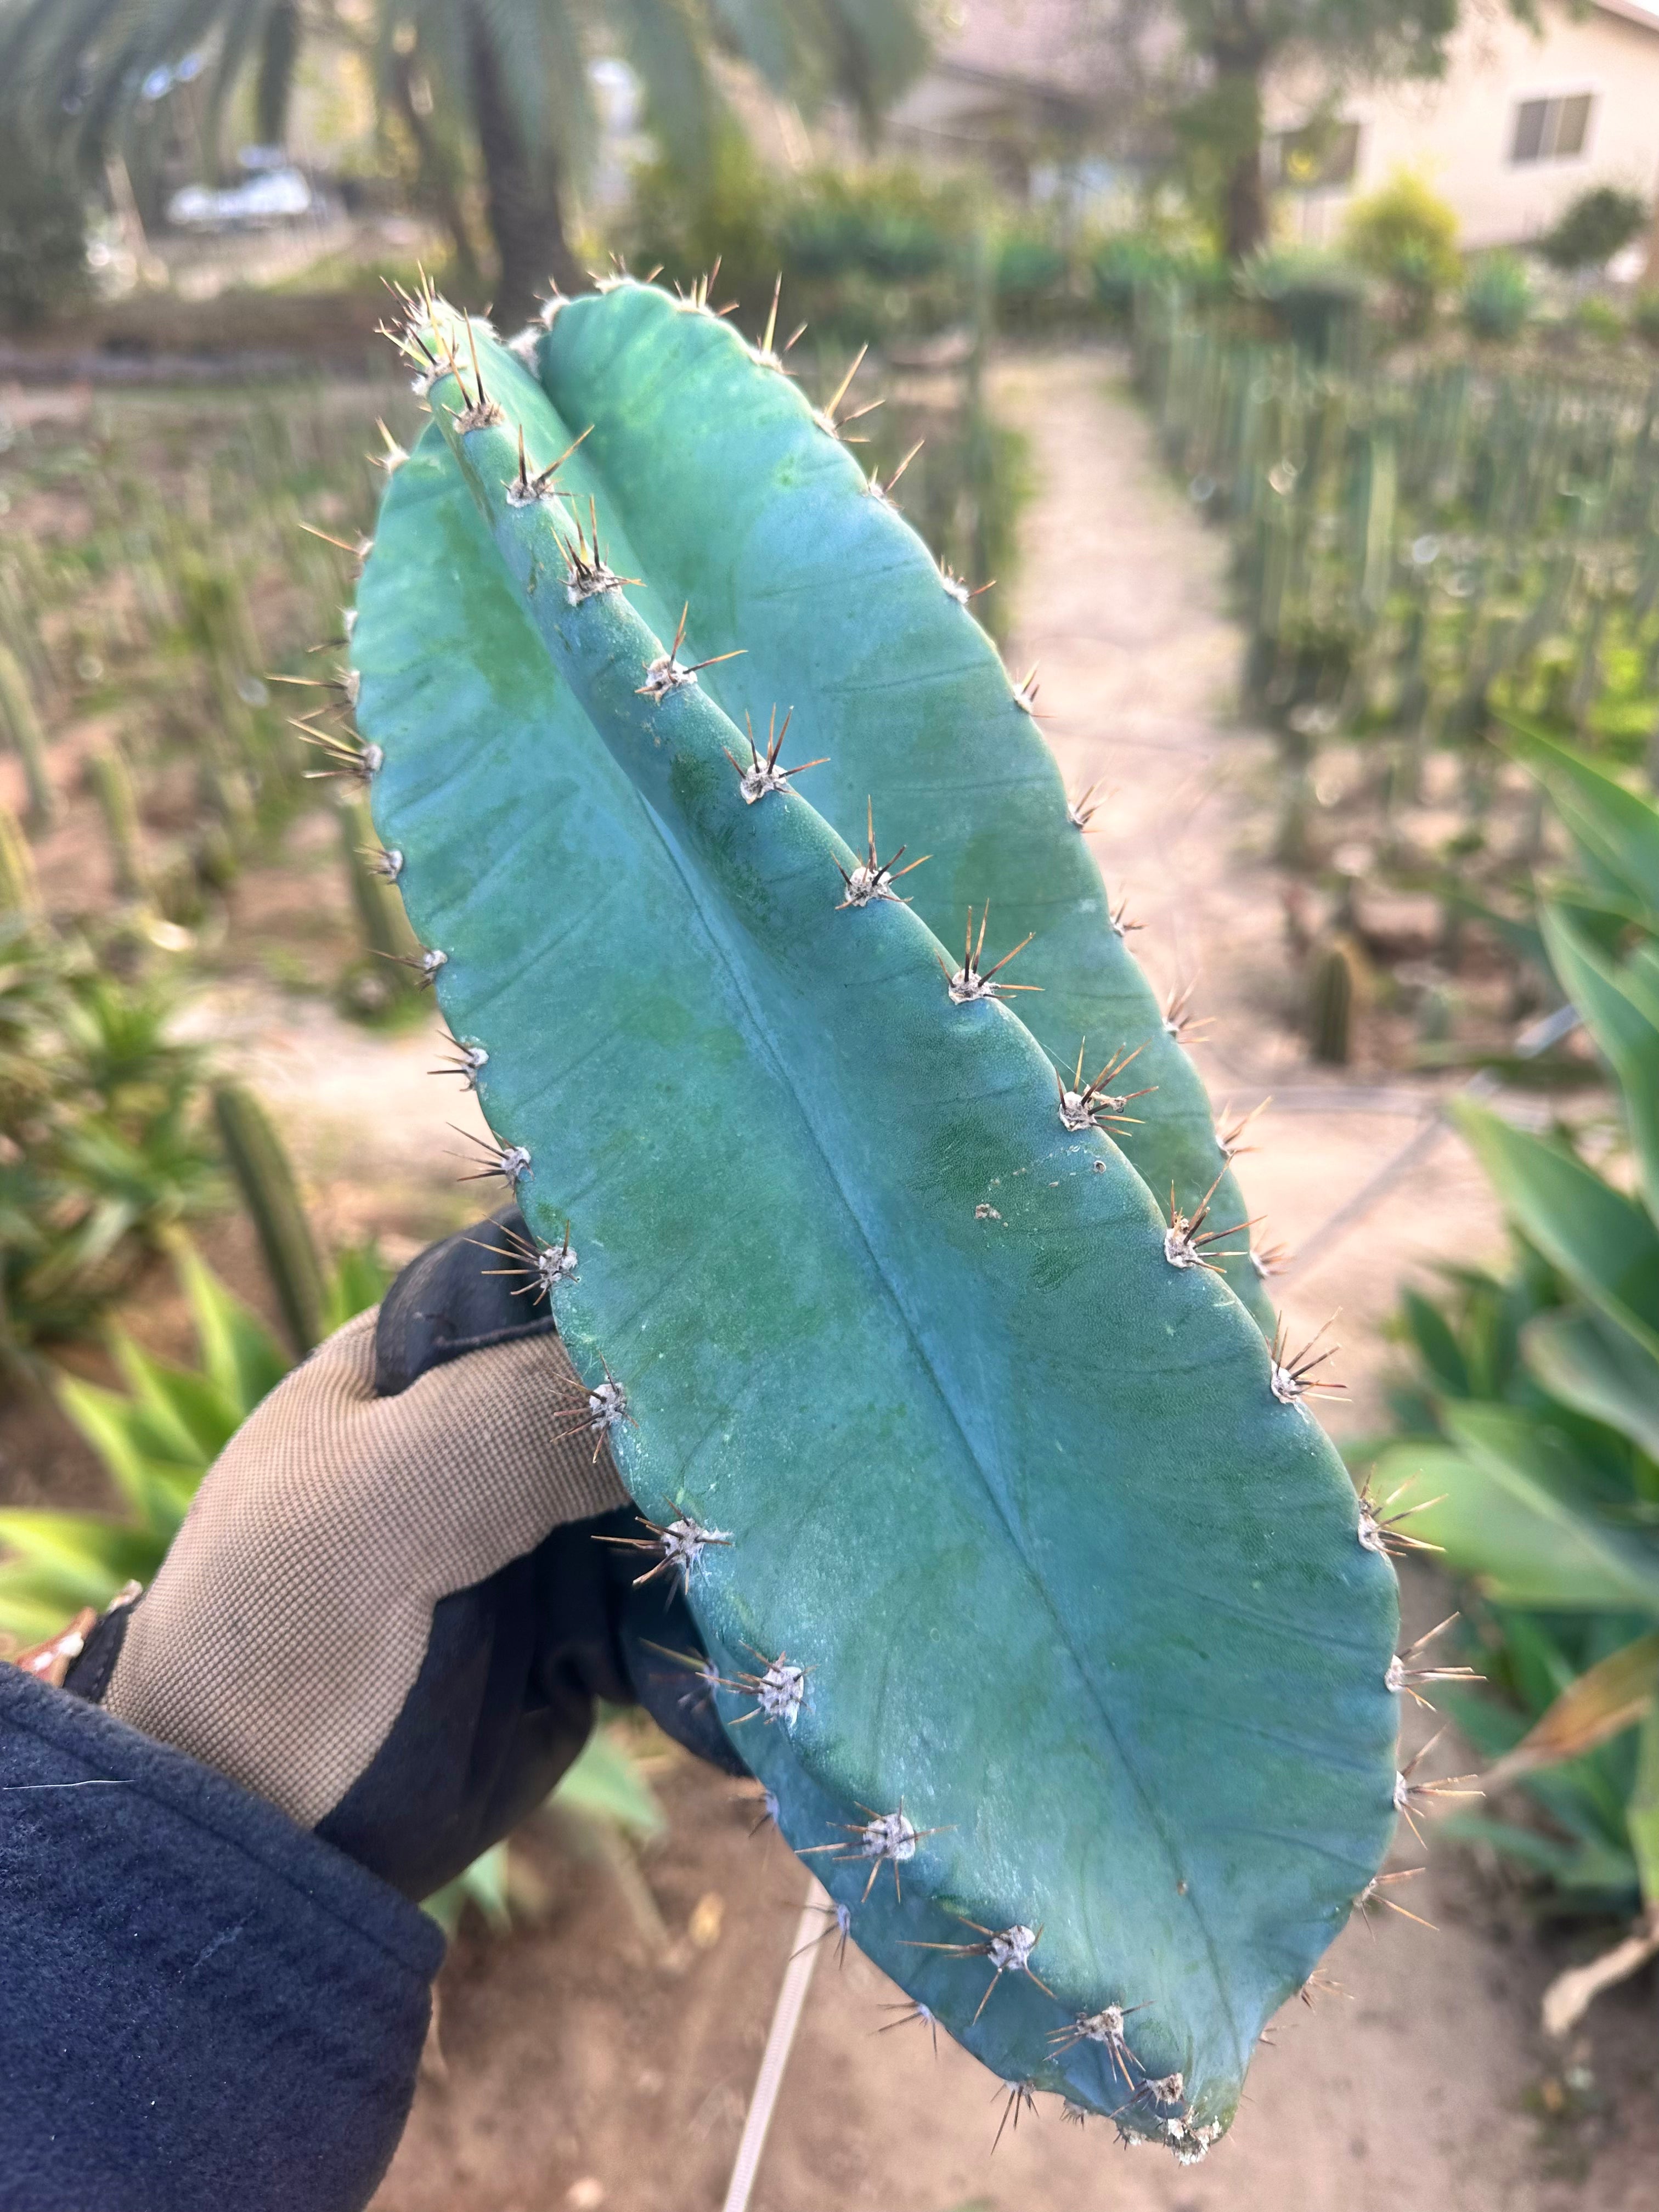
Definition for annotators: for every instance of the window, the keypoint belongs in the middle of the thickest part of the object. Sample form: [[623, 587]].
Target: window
[[1321, 155], [1552, 130]]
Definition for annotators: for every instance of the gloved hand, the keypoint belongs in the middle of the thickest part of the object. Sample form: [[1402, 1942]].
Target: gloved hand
[[387, 1611]]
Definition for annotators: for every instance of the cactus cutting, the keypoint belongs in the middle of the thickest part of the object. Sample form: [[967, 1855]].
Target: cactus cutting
[[1023, 1571]]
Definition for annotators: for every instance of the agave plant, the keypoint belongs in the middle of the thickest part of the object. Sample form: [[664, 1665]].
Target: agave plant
[[155, 1440], [104, 1150], [1539, 1405]]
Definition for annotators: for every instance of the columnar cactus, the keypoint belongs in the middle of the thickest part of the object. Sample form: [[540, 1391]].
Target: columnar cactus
[[1032, 1592]]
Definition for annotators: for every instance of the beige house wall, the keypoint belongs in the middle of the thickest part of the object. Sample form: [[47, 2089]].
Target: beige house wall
[[1458, 132]]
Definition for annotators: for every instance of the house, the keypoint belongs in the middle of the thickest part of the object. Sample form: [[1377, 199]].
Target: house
[[1046, 93], [1519, 125]]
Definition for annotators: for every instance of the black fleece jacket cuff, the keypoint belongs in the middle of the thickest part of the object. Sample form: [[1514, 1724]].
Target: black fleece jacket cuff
[[201, 2004]]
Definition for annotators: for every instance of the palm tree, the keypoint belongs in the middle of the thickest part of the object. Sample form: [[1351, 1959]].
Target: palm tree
[[513, 73]]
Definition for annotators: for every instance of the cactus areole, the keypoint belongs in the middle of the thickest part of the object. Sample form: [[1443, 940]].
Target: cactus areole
[[1044, 1620]]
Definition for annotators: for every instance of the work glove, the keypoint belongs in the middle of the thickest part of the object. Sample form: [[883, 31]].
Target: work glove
[[406, 1581]]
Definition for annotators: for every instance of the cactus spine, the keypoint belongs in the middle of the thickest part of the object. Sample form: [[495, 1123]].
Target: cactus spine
[[21, 725], [1002, 1526], [264, 1176]]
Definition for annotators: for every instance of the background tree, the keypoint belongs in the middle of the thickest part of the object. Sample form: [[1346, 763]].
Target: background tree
[[513, 73], [1598, 224], [1238, 43]]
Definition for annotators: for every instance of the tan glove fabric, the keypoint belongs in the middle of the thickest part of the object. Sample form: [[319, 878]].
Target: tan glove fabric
[[287, 1625]]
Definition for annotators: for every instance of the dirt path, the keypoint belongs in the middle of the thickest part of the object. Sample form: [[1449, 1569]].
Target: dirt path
[[1424, 2082], [1122, 604]]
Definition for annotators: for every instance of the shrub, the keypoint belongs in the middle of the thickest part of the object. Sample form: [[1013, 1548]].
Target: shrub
[[864, 254], [1126, 260], [1407, 234], [103, 1149], [888, 223], [1644, 316], [1497, 296], [1314, 297], [1597, 225], [1599, 319]]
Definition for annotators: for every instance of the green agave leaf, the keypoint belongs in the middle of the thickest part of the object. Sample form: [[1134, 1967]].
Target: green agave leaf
[[607, 1784], [59, 1562], [840, 617], [1619, 829], [1621, 1011], [1069, 1584], [242, 1358], [1592, 1364], [1505, 1509], [1602, 1241], [111, 1424], [177, 1415], [483, 1885]]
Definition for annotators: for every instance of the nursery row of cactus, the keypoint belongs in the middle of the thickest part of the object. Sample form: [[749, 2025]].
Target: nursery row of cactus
[[1421, 554], [1531, 1413], [904, 1274], [153, 677]]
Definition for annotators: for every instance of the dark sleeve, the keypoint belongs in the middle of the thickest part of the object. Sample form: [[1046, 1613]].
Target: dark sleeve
[[201, 2005]]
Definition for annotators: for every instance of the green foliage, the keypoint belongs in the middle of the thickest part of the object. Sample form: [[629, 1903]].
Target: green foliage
[[104, 1151], [886, 222], [870, 253], [606, 1787], [1406, 233], [1497, 296], [155, 1440], [1532, 1419], [1125, 261], [1600, 319], [1598, 224], [43, 238], [1029, 270], [876, 1159], [1314, 297]]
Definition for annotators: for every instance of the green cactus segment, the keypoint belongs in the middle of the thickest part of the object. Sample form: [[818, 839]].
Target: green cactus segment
[[1072, 1589], [838, 611]]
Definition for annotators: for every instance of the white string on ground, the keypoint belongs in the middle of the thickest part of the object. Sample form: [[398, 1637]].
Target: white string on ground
[[1348, 1216], [780, 2039]]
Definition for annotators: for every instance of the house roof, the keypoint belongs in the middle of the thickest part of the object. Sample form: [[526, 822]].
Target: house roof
[[1631, 11]]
